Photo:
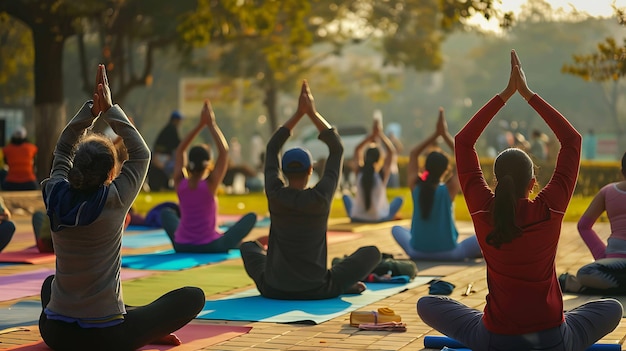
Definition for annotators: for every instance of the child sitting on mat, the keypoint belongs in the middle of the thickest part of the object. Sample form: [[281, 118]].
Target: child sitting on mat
[[433, 234], [608, 273], [295, 264], [196, 183], [519, 237], [87, 199], [370, 203]]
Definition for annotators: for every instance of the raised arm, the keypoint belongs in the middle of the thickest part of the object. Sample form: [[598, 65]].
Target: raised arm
[[560, 188], [390, 155], [586, 222], [180, 156], [84, 118], [328, 135], [452, 183], [470, 174], [358, 151], [309, 108], [221, 164], [272, 163], [134, 170]]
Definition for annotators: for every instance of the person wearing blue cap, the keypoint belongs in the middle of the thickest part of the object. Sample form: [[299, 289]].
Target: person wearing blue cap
[[294, 267], [162, 165]]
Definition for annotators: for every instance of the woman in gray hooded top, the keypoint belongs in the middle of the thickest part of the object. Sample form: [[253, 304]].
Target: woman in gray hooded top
[[87, 197]]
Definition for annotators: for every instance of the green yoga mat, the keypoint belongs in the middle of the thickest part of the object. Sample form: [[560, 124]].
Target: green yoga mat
[[212, 279]]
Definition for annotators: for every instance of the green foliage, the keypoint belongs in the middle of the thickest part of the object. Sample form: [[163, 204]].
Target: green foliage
[[17, 56], [607, 63]]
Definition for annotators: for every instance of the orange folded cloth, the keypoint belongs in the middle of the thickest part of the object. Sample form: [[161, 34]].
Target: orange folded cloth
[[382, 315]]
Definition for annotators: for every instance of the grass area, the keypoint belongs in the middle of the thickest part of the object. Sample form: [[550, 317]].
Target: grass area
[[256, 202]]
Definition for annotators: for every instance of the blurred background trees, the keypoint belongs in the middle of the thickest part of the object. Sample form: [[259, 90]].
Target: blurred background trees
[[402, 57]]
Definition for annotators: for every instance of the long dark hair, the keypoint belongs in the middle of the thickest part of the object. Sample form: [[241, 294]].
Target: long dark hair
[[199, 157], [513, 170], [436, 165], [94, 159], [367, 174]]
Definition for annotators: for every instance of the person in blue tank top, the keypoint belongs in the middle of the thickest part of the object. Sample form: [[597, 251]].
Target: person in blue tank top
[[433, 234]]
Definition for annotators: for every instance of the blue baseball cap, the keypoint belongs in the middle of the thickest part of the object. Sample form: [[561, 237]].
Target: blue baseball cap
[[296, 160], [176, 115]]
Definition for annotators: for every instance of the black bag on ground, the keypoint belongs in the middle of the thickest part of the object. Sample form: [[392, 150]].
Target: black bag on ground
[[389, 264]]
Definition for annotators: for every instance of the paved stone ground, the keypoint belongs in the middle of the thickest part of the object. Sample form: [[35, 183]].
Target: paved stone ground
[[336, 334]]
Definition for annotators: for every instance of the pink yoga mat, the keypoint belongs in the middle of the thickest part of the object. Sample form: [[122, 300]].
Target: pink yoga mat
[[15, 286], [193, 336], [20, 285], [30, 255]]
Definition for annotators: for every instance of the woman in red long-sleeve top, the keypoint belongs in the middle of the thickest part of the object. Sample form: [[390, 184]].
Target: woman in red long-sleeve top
[[519, 237]]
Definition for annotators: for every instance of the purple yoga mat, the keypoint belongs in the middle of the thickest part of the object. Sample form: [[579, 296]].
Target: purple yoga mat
[[25, 284]]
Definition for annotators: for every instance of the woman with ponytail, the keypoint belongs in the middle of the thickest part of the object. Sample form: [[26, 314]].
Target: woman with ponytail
[[196, 182], [87, 198], [433, 235], [519, 237], [370, 203]]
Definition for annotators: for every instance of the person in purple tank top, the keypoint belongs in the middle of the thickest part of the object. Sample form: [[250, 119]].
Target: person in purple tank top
[[196, 180]]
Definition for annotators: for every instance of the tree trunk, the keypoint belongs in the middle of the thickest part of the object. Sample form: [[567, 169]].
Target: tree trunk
[[49, 122], [49, 104], [270, 102]]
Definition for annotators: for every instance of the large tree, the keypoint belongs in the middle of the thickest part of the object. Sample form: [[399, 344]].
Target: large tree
[[126, 34], [17, 56], [607, 68], [270, 42], [51, 23]]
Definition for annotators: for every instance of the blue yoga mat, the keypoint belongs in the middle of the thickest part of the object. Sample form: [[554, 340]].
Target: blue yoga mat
[[251, 306], [438, 342], [154, 237], [140, 228], [171, 261], [22, 313]]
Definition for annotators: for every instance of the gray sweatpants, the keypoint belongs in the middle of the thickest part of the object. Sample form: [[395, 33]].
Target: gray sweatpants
[[583, 326]]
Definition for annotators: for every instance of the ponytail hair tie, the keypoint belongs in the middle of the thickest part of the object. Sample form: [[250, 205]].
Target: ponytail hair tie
[[424, 176]]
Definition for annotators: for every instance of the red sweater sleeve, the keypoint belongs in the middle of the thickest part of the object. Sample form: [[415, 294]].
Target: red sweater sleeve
[[475, 188], [559, 190]]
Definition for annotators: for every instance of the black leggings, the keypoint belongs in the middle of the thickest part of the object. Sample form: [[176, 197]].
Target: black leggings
[[142, 325], [341, 276], [229, 240], [7, 228]]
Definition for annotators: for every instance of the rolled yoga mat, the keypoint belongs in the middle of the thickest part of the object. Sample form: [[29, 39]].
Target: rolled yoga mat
[[437, 342]]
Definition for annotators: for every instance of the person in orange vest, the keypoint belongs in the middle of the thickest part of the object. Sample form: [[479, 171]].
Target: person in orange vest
[[19, 156]]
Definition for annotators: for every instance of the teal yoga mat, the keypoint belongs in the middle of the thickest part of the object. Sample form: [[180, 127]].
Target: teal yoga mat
[[20, 314], [439, 342], [171, 261], [146, 238], [251, 306]]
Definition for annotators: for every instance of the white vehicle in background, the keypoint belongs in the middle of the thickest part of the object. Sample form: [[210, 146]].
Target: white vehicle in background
[[351, 136]]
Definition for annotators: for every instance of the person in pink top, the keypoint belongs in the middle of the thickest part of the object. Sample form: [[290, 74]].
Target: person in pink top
[[608, 273], [518, 237], [196, 182]]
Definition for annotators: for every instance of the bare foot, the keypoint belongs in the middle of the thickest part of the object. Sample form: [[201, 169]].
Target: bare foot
[[357, 288], [170, 339]]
